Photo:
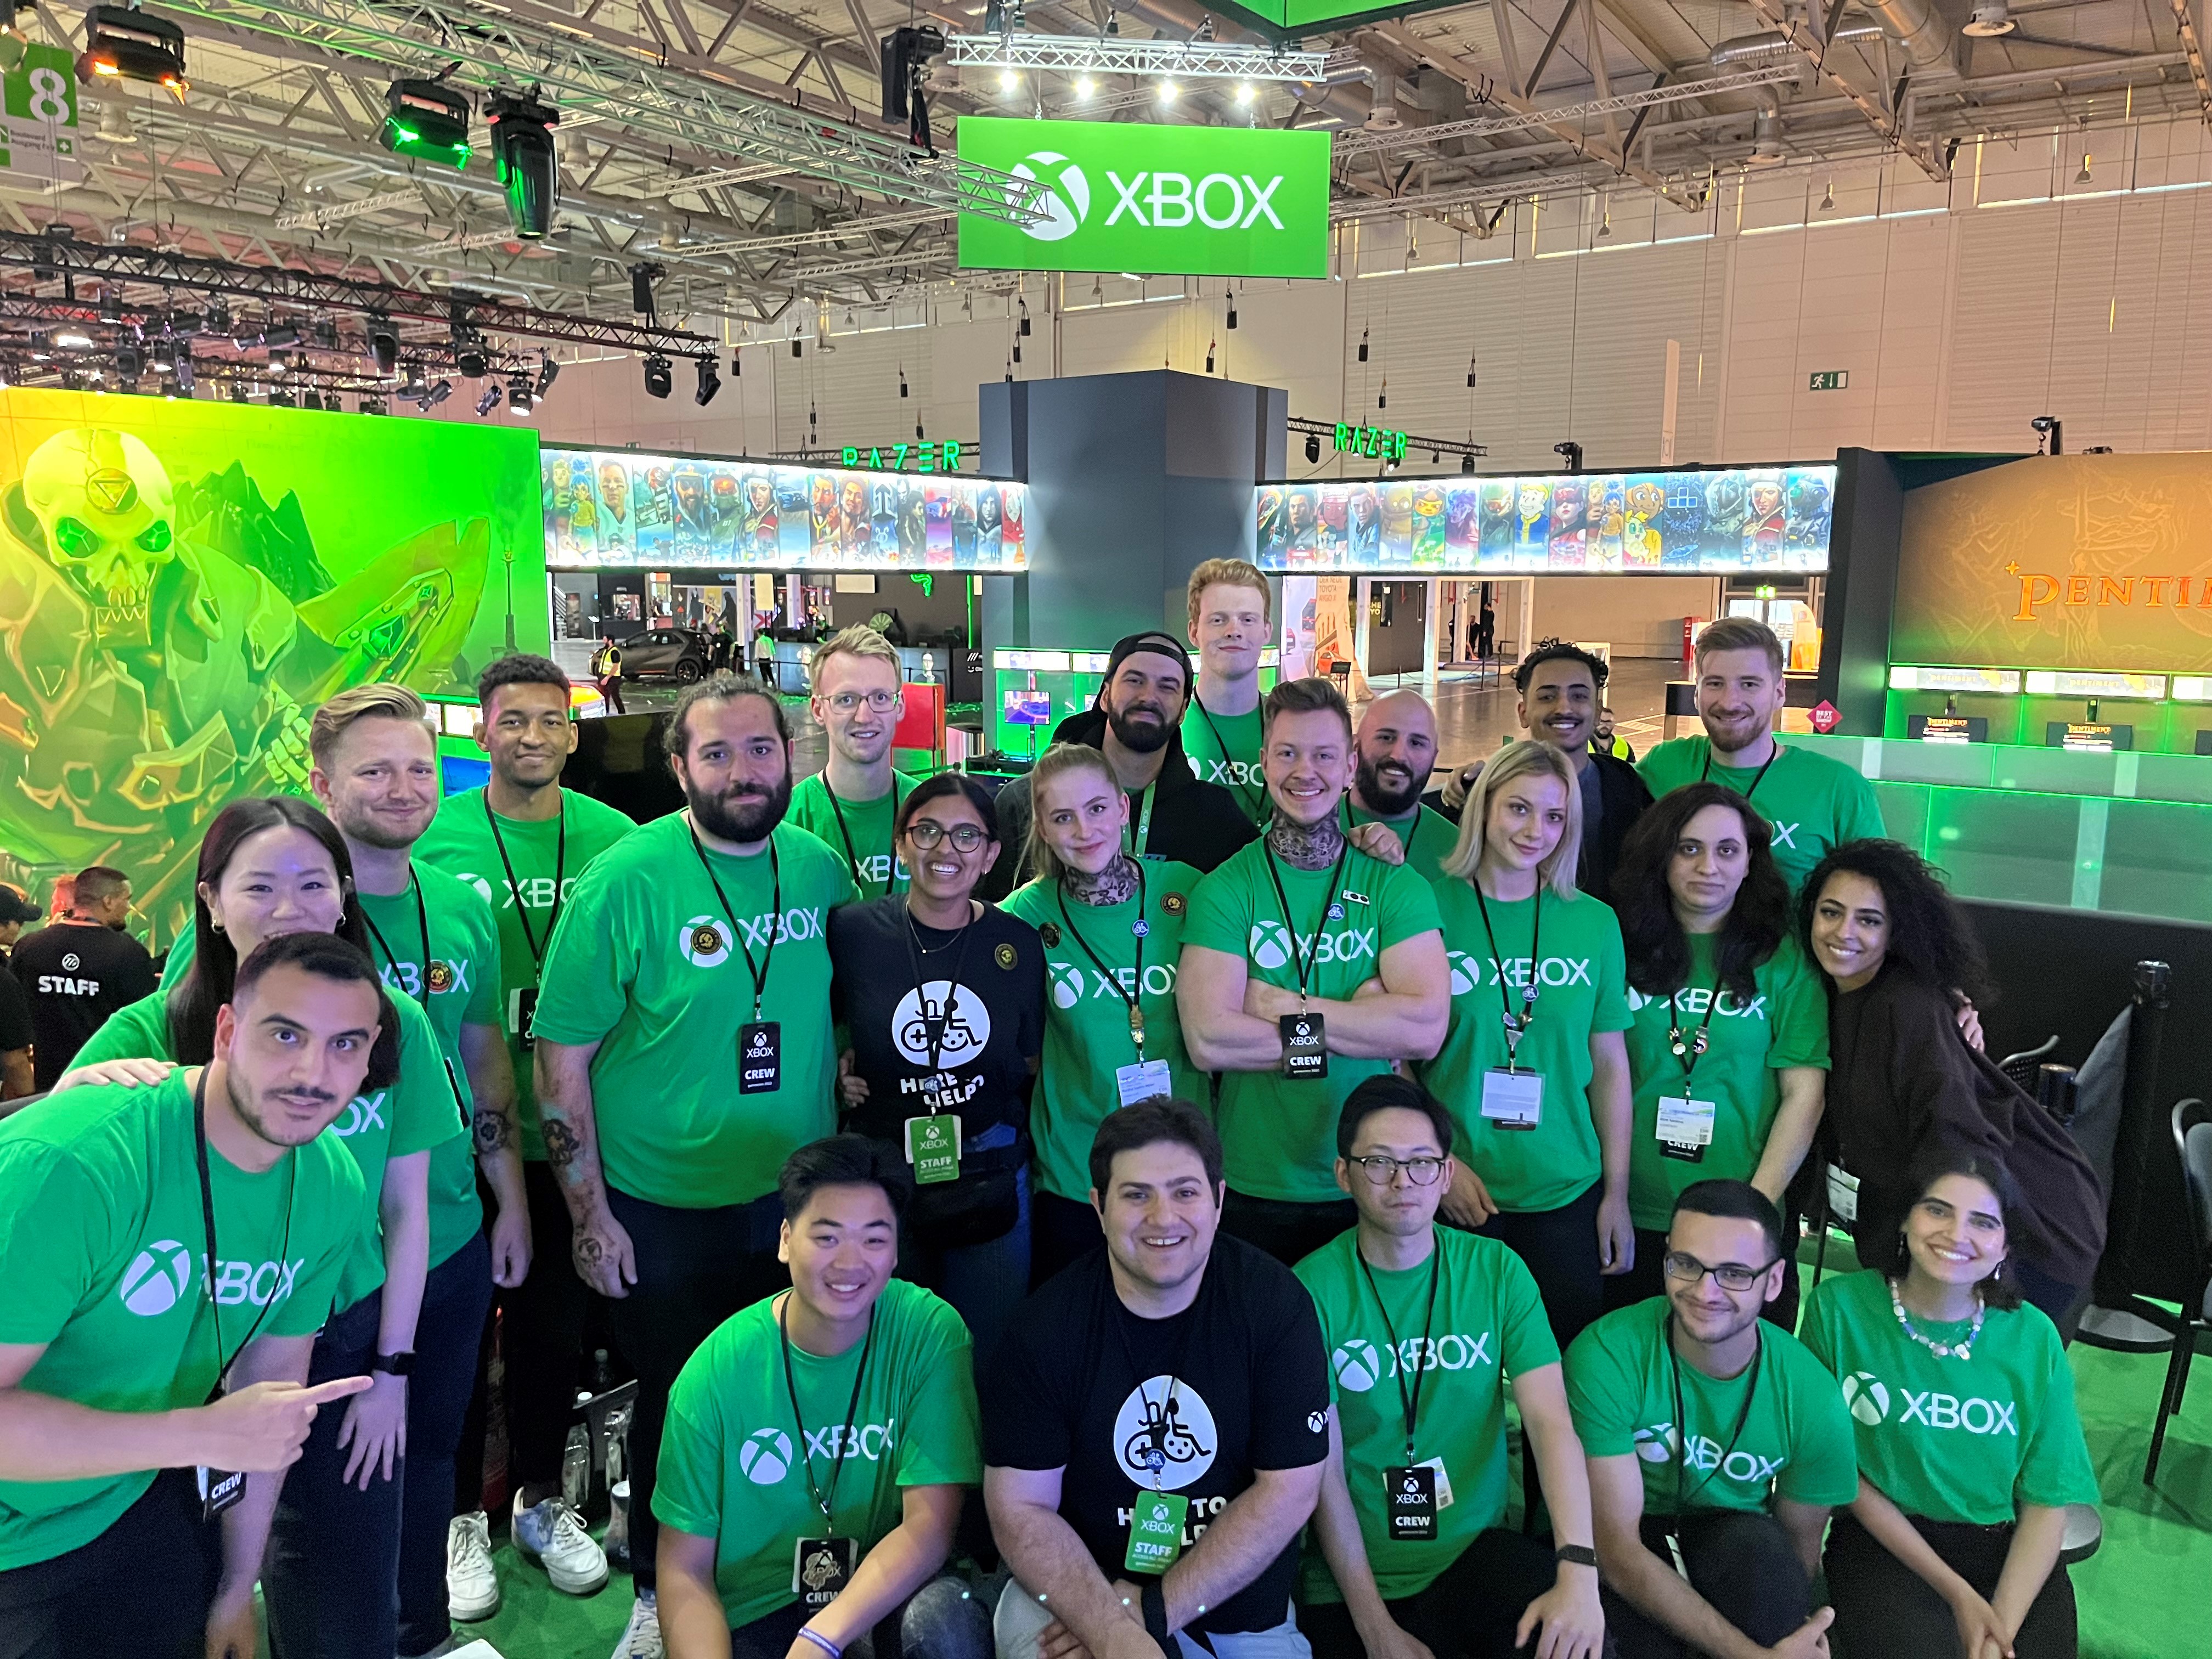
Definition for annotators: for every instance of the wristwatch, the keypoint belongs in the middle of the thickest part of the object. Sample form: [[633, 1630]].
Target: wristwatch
[[397, 1364], [1580, 1555], [1155, 1608]]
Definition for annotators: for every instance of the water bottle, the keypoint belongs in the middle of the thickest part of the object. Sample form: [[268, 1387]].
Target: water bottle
[[577, 1469], [617, 1538]]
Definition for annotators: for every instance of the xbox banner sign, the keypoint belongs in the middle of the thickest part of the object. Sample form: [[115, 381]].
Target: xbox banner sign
[[1182, 201]]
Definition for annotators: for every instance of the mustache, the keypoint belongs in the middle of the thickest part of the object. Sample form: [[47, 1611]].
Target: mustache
[[304, 1096]]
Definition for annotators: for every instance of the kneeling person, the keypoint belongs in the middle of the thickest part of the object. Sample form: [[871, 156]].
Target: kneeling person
[[818, 1444], [1424, 1324]]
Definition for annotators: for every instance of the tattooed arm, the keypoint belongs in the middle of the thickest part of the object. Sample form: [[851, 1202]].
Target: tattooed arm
[[570, 1126], [499, 1152]]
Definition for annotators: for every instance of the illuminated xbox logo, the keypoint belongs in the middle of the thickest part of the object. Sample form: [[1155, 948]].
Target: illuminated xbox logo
[[1065, 199], [157, 1276], [765, 1457], [1866, 1397]]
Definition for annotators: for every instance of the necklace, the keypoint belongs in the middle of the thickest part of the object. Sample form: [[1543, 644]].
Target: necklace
[[1962, 1349]]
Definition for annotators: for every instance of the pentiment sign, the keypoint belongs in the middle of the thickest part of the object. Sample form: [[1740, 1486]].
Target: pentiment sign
[[1185, 201]]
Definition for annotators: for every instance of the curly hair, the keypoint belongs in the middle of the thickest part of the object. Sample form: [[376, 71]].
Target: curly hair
[[1927, 933], [1559, 651], [1894, 1256], [1658, 948]]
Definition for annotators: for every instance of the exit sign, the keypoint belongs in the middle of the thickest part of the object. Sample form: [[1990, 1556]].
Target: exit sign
[[1370, 440], [1830, 379]]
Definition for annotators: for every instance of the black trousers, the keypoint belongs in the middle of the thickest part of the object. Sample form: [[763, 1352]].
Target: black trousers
[[1062, 1233], [1469, 1612], [1884, 1607], [1288, 1231], [694, 1268], [943, 1619], [140, 1590], [1648, 1278], [1559, 1247], [447, 1339], [1742, 1564]]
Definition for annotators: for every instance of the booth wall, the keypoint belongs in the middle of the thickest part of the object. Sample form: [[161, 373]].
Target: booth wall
[[1642, 616]]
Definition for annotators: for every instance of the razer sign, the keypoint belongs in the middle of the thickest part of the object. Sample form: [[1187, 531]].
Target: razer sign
[[1185, 201]]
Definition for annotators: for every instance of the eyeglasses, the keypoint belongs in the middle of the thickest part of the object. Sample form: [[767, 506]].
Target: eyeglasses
[[1688, 1270], [928, 833], [880, 702], [1382, 1170]]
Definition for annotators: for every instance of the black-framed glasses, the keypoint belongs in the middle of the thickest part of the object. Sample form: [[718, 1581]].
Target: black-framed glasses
[[1382, 1170], [1686, 1270], [928, 833]]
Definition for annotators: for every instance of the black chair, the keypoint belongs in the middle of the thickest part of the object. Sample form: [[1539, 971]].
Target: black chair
[[2022, 1066], [2192, 1141]]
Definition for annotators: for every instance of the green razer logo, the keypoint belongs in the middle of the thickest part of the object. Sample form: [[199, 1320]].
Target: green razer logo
[[1189, 200]]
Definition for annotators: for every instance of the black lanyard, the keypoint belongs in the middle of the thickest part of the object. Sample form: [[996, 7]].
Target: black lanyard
[[1682, 1429], [758, 970], [933, 1031], [823, 1500], [1220, 743], [1140, 928], [1412, 825], [423, 922], [852, 858], [1409, 1403], [223, 1363], [1706, 771], [1120, 1316], [1517, 1025], [514, 891], [1691, 1052], [1305, 962]]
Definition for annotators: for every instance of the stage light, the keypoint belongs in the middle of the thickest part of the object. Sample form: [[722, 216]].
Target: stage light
[[489, 400], [411, 385], [657, 377], [441, 392], [111, 305], [1009, 81], [71, 340], [520, 397], [238, 392], [1466, 463], [1167, 91], [795, 350], [709, 382], [1313, 446], [383, 343], [428, 120], [1084, 86], [130, 361], [1232, 312], [547, 371], [1244, 91], [132, 45], [522, 156], [641, 278], [185, 381], [469, 358], [169, 387]]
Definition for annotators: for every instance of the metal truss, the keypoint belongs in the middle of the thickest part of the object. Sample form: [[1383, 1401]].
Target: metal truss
[[337, 213], [1196, 60], [524, 45], [2184, 21], [1436, 446], [1479, 193], [1484, 126]]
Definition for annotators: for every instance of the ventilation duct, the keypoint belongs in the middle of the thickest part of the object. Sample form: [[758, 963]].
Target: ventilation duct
[[1383, 107]]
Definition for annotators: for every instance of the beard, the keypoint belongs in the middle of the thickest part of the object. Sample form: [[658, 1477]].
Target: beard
[[248, 1110], [359, 826], [1388, 800], [747, 822], [1142, 739]]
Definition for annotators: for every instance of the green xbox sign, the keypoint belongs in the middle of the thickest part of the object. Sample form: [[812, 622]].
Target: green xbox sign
[[1182, 201]]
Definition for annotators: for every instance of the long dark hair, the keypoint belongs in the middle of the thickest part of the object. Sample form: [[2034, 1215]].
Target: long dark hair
[[1997, 1290], [1927, 933], [208, 982], [1658, 948]]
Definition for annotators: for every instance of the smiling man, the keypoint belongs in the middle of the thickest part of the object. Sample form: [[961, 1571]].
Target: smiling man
[[857, 696], [1231, 612], [1562, 689], [1155, 1422], [1396, 745]]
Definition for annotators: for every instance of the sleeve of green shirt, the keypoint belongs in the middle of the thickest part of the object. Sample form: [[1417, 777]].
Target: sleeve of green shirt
[[941, 1441], [1219, 919], [484, 1007], [1824, 1457], [1601, 1395], [1818, 1332], [1861, 814], [589, 964], [1611, 1012], [338, 1201], [53, 1230], [1524, 1333], [2054, 1466], [687, 1494], [1408, 907], [424, 1112], [137, 1030], [1799, 1018]]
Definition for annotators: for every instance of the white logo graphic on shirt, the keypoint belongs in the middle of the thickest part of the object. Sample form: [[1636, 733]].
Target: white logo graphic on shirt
[[1358, 1367], [1555, 971], [704, 942], [1066, 985], [362, 1112], [1317, 1421], [1947, 1411], [477, 881], [1693, 1000], [766, 1456], [1360, 1364], [1271, 944], [1163, 1435], [1657, 1444], [1466, 972], [1785, 834], [70, 961], [967, 1023], [159, 1275], [1867, 1398]]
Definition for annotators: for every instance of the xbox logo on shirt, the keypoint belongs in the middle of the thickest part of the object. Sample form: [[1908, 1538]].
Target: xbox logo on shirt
[[1466, 973], [480, 884], [1657, 1444], [1358, 1366], [1866, 1397], [1065, 200], [703, 942], [157, 1276], [766, 1456], [1066, 985], [1270, 946]]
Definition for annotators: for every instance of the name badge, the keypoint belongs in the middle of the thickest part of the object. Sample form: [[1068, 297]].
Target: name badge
[[220, 1489], [933, 1147], [1305, 1046], [821, 1567], [1842, 1196], [1409, 1499], [1145, 1080], [1155, 1531], [521, 1003], [1513, 1100], [760, 1057], [1685, 1127], [1443, 1481]]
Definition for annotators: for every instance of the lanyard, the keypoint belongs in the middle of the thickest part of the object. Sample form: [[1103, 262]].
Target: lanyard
[[1412, 825], [1682, 1429], [207, 1215], [1517, 1025], [1706, 771], [934, 1029], [1156, 1429], [1141, 824], [423, 922], [1251, 800], [852, 857], [823, 1500], [1306, 962], [757, 969], [1139, 927], [514, 891], [1691, 1052], [1409, 1403]]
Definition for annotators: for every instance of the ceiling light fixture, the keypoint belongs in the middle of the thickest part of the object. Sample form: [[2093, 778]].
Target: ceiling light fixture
[[123, 44], [428, 120], [489, 400], [657, 377], [1084, 86], [523, 157], [1168, 90], [709, 382]]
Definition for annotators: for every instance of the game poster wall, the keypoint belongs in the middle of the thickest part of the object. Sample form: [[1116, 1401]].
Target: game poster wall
[[182, 584], [1726, 521], [620, 510]]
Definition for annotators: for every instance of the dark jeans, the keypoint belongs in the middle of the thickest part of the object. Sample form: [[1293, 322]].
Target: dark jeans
[[1883, 1607], [941, 1620], [140, 1590], [447, 1338], [1469, 1612], [332, 1580], [694, 1268], [1742, 1564], [1288, 1231], [985, 1283], [1559, 1247], [1062, 1233], [1648, 1278], [611, 690]]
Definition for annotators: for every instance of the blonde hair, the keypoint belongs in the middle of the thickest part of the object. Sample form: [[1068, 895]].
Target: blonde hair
[[1515, 761], [1229, 573], [858, 641], [363, 702], [1058, 761]]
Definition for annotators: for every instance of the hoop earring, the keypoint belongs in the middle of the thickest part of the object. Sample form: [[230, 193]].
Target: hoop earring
[[215, 925]]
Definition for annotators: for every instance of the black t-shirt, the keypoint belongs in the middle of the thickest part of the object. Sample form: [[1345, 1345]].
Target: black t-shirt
[[1079, 1382], [75, 977], [15, 1013]]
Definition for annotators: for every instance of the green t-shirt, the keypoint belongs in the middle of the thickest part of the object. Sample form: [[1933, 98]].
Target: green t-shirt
[[877, 867], [1951, 1439], [1489, 1325], [1278, 1133], [644, 964], [1784, 1023], [1087, 1029], [1225, 749], [1812, 801], [103, 1248], [1583, 988], [731, 1457], [462, 988], [415, 1114], [1795, 1439], [1432, 836]]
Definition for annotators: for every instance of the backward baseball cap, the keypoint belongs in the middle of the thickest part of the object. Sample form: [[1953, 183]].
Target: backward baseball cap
[[1155, 643], [13, 907]]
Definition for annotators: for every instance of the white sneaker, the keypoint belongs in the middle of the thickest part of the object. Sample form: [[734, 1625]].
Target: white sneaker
[[549, 1534], [640, 1637], [472, 1586]]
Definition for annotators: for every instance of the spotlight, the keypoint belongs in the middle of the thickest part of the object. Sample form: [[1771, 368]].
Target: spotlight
[[522, 156], [520, 397], [185, 381], [411, 383], [642, 279], [489, 400], [1232, 312], [441, 392], [549, 371], [1244, 91], [469, 358], [737, 364], [1113, 23], [1571, 453], [238, 392], [72, 340], [709, 382], [169, 387], [1470, 372], [383, 343], [1382, 397], [426, 119], [902, 391], [1009, 81], [1313, 446], [995, 17], [1210, 344], [795, 349], [1025, 306], [1168, 90], [132, 45], [1466, 463], [1828, 197], [905, 57], [1363, 345], [130, 360], [110, 305], [1084, 86], [657, 379]]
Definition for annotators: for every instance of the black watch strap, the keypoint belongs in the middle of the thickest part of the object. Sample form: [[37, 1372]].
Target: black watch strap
[[1581, 1555], [1155, 1604], [397, 1364]]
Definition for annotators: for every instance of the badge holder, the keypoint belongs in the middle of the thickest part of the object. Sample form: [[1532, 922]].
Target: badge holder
[[821, 1568], [1842, 1196], [760, 1057], [521, 1006], [1148, 1078], [934, 1147], [1512, 1099], [1410, 1501], [1156, 1531], [1685, 1128], [1305, 1046], [219, 1490]]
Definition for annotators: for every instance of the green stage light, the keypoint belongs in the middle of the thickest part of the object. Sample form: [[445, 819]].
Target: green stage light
[[428, 120]]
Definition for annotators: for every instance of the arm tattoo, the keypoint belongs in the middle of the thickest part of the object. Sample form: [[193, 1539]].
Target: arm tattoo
[[494, 1132], [563, 1145]]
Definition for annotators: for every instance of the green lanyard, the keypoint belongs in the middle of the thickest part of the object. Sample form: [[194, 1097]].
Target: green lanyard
[[1141, 828]]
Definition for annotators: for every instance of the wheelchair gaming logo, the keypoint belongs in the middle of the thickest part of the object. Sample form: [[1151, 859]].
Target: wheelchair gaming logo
[[959, 1020], [1164, 1431]]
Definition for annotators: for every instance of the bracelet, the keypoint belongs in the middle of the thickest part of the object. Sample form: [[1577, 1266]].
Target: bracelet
[[822, 1642], [1580, 1555], [1155, 1608]]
